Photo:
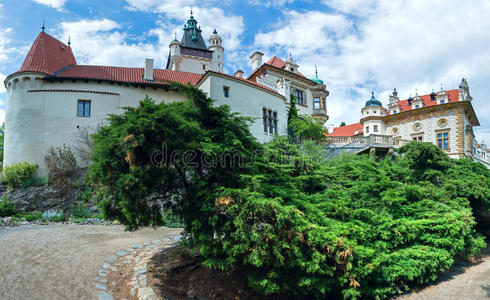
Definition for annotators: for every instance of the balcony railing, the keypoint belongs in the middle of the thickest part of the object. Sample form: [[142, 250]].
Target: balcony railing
[[320, 112]]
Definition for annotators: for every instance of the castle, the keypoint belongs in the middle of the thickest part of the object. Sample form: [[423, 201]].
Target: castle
[[445, 118], [52, 98]]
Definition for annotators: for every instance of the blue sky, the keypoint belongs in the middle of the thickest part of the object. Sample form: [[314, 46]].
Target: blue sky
[[358, 45]]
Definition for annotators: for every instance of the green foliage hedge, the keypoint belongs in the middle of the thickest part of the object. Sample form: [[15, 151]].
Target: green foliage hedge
[[7, 209], [298, 224], [19, 173]]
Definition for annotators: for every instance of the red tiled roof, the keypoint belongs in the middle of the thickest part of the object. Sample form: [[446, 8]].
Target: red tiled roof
[[52, 57], [128, 75], [453, 96], [279, 63], [276, 62], [47, 55], [245, 80], [347, 130]]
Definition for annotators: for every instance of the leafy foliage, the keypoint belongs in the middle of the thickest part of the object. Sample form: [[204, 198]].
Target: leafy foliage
[[53, 216], [80, 210], [296, 223], [306, 127], [159, 156], [350, 226], [7, 209], [18, 173]]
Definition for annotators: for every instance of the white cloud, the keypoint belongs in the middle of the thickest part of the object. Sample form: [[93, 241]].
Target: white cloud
[[56, 4], [4, 44], [385, 44], [229, 26], [102, 42], [2, 86], [270, 3]]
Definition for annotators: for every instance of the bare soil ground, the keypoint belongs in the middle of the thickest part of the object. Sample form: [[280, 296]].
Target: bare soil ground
[[176, 274], [61, 261]]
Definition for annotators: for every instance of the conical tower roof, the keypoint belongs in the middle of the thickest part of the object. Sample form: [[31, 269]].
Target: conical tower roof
[[47, 55], [192, 37]]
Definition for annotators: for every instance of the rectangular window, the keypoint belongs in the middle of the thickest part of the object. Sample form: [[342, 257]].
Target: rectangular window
[[316, 103], [226, 91], [299, 97], [264, 117], [83, 108], [324, 103], [367, 129], [375, 128], [275, 123], [443, 140], [419, 137], [204, 67], [271, 129]]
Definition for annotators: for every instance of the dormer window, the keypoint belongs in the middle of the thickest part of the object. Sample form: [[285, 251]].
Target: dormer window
[[292, 69]]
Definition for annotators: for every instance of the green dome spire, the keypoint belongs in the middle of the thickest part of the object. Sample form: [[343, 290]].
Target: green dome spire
[[373, 101], [316, 79]]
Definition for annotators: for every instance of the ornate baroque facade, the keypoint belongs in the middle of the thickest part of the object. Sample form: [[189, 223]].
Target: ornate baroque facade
[[445, 119]]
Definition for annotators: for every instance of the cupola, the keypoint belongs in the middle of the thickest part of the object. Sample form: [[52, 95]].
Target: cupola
[[373, 101]]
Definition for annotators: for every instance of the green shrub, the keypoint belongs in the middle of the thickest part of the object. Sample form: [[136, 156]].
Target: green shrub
[[36, 215], [54, 216], [35, 182], [171, 220], [19, 173], [296, 224], [7, 209], [80, 211]]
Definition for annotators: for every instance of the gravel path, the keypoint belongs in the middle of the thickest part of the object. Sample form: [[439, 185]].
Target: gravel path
[[61, 261]]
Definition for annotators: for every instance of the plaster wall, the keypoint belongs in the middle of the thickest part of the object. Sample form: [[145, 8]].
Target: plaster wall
[[41, 114], [249, 101]]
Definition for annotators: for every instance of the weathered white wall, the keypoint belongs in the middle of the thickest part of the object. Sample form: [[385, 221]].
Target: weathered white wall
[[249, 101], [193, 64], [36, 121]]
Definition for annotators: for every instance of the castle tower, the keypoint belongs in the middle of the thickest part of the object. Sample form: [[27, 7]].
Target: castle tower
[[174, 56], [393, 103], [372, 117], [291, 65], [215, 45], [192, 54]]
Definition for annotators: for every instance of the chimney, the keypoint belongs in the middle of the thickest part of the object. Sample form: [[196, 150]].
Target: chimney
[[148, 70], [239, 73], [256, 60]]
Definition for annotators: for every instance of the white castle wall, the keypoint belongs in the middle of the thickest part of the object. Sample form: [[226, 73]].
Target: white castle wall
[[271, 80], [194, 64], [36, 121], [249, 101]]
